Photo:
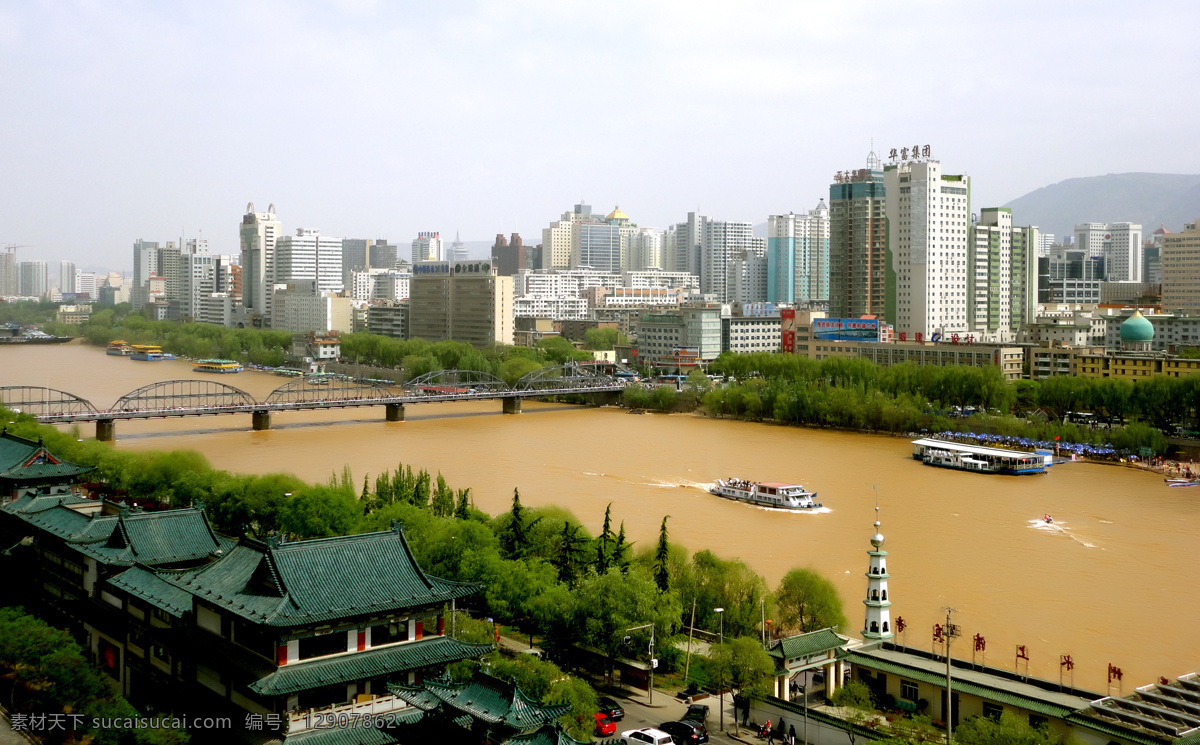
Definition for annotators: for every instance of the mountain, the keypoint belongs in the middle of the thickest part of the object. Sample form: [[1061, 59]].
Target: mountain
[[1151, 199]]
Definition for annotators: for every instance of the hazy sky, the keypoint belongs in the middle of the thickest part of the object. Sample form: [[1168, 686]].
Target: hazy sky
[[125, 120]]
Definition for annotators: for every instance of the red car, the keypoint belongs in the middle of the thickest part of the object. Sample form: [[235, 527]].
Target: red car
[[605, 726]]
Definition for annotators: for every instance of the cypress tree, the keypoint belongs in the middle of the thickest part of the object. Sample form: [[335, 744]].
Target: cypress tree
[[660, 558]]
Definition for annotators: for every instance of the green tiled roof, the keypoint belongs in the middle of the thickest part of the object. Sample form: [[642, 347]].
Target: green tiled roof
[[807, 645], [165, 537], [148, 586], [1081, 719], [17, 452], [303, 582], [342, 736], [369, 664], [998, 695], [487, 699], [551, 734]]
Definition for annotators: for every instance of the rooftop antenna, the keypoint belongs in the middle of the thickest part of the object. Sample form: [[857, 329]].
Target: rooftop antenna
[[873, 162]]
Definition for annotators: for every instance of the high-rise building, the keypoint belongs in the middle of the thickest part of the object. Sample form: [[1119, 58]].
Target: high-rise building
[[356, 256], [383, 255], [1181, 270], [66, 277], [596, 244], [427, 247], [310, 255], [1045, 241], [681, 244], [747, 276], [798, 256], [645, 250], [1120, 243], [858, 266], [511, 255], [9, 279], [463, 301], [145, 263], [259, 232], [85, 285], [1003, 276], [928, 214], [720, 241], [556, 239], [34, 278], [458, 251]]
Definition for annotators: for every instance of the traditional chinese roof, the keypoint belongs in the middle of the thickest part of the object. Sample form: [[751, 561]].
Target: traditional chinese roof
[[343, 736], [148, 586], [485, 698], [28, 461], [147, 538], [300, 676], [290, 584], [806, 645]]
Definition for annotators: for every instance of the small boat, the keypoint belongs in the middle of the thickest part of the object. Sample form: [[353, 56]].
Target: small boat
[[218, 366], [1047, 519], [777, 494], [1182, 482], [148, 353]]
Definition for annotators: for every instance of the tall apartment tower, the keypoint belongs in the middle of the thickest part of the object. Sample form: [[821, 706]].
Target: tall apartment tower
[[556, 239], [720, 241], [858, 265], [1120, 243], [1003, 276], [645, 250], [427, 247], [798, 256], [1181, 270], [259, 232], [8, 272], [67, 277], [34, 278], [310, 255], [145, 264], [928, 214]]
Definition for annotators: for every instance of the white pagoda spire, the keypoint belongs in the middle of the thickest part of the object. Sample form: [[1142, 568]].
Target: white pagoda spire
[[878, 622]]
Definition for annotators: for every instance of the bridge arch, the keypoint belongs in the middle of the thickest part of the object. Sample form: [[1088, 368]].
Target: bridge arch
[[569, 375], [183, 394], [313, 388], [39, 401], [458, 381]]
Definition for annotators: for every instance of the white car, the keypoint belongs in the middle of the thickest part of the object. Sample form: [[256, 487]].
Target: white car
[[646, 736]]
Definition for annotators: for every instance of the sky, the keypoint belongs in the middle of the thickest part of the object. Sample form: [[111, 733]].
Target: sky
[[122, 120]]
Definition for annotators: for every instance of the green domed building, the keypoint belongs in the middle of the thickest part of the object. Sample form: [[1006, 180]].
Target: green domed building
[[1137, 333]]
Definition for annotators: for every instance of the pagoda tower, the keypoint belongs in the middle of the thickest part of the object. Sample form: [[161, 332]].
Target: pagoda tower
[[878, 622]]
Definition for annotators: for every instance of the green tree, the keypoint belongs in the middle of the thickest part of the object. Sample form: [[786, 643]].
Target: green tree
[[604, 542], [606, 605], [462, 510], [514, 536], [320, 512], [808, 602], [620, 557], [661, 556], [858, 701], [602, 338], [570, 555], [1009, 730], [442, 504]]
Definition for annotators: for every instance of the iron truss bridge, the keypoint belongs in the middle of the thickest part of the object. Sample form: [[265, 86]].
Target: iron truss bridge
[[182, 398]]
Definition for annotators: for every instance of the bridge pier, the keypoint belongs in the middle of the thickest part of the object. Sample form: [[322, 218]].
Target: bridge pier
[[261, 420], [511, 405], [106, 430], [394, 412]]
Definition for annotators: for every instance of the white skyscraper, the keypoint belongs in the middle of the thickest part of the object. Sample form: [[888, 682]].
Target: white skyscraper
[[85, 284], [259, 232], [798, 256], [720, 240], [457, 252], [309, 255], [1120, 243], [928, 215], [66, 276], [427, 247], [645, 250], [1003, 277]]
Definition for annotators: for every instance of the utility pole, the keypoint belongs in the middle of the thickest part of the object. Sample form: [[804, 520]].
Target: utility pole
[[653, 662], [687, 665], [951, 631]]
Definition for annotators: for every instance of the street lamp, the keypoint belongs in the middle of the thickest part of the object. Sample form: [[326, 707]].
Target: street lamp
[[721, 612]]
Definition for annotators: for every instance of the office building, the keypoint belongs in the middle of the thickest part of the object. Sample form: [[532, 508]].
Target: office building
[[655, 277], [745, 334], [463, 301], [1069, 275], [427, 247], [1181, 270], [511, 255], [9, 279], [720, 240], [1003, 276], [388, 319], [557, 239], [1120, 243], [928, 214], [682, 338], [798, 257], [858, 265], [66, 277], [85, 285], [258, 234], [298, 306], [1045, 241], [34, 278], [747, 276], [309, 255], [644, 250]]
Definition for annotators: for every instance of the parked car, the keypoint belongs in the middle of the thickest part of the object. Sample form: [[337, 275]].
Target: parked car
[[611, 709], [697, 712], [686, 732], [646, 736], [605, 727]]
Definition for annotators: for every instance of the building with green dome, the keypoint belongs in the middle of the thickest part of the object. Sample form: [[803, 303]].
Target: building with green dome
[[1137, 333]]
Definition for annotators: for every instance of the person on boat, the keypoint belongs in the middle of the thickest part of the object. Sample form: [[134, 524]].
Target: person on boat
[[1047, 518]]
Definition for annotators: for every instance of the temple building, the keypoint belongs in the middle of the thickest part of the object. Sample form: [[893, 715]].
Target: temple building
[[28, 468]]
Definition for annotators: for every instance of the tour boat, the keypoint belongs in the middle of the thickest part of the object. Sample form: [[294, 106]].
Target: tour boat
[[119, 348], [979, 459], [1182, 482], [217, 366], [148, 353], [766, 493]]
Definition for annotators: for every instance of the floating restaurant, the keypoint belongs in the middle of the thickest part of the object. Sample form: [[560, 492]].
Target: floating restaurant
[[946, 454]]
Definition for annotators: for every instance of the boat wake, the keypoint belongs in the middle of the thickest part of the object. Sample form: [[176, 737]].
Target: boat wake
[[1060, 528]]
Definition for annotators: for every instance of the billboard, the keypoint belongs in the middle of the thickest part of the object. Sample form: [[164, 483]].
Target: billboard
[[845, 329]]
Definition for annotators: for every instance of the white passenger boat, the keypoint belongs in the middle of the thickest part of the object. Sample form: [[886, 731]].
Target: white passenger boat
[[979, 459], [766, 493]]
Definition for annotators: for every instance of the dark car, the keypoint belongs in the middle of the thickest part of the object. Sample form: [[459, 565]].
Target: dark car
[[610, 708], [696, 713], [686, 732]]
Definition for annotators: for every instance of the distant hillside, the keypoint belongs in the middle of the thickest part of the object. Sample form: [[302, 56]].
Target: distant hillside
[[1151, 199]]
